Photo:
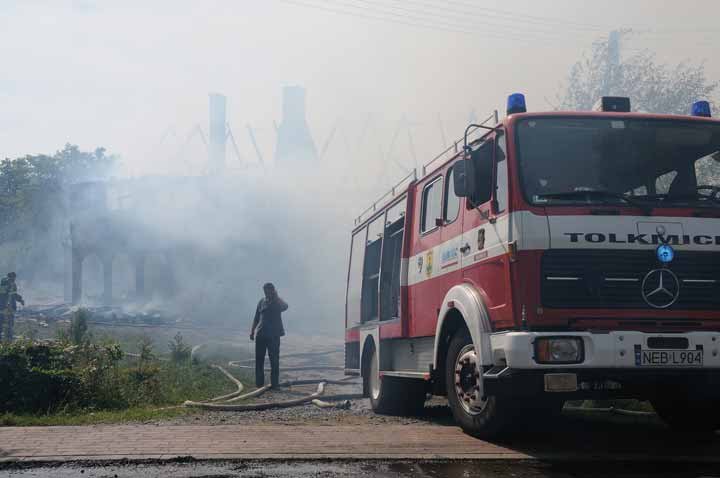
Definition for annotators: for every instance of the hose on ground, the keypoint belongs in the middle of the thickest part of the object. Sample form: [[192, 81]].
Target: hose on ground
[[227, 402], [258, 406], [236, 364], [255, 393], [237, 382], [297, 355], [344, 405]]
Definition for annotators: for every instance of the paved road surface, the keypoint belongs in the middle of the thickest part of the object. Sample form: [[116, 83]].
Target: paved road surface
[[574, 439], [372, 469]]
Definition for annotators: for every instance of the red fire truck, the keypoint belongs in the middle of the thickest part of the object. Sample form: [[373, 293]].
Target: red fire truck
[[546, 257]]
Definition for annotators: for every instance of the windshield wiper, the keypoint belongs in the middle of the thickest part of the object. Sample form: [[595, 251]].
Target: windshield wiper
[[600, 194], [692, 200]]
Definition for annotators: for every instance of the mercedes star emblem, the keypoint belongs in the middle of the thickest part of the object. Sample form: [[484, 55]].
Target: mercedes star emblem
[[660, 288]]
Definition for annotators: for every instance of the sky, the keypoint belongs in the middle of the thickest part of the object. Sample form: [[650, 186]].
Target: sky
[[133, 76]]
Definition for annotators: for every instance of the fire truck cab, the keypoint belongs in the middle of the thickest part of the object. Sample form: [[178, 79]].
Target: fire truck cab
[[546, 257]]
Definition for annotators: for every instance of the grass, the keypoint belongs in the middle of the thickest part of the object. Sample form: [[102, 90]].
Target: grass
[[84, 417], [174, 385], [82, 378]]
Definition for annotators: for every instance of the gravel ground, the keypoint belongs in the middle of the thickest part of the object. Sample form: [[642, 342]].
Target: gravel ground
[[360, 411]]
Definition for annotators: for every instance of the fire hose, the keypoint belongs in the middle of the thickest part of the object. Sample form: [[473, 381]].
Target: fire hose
[[227, 402], [258, 406]]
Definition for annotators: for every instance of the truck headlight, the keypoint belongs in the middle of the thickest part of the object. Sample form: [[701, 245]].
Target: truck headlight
[[559, 350]]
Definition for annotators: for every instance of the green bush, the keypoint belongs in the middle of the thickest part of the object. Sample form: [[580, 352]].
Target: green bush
[[57, 377], [48, 376], [180, 352], [79, 326]]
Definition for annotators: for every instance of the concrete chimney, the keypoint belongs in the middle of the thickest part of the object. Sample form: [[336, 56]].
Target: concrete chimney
[[294, 141], [218, 133]]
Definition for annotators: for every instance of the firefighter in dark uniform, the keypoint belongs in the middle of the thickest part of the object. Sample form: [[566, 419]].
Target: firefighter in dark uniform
[[267, 328], [9, 298]]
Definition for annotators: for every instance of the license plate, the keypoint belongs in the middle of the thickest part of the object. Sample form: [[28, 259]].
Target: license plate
[[669, 358]]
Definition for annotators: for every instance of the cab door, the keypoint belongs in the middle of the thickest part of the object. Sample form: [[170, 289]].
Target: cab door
[[484, 250], [450, 235]]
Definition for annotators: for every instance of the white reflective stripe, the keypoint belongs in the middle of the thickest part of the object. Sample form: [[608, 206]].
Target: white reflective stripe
[[536, 232], [562, 278], [632, 232], [403, 272]]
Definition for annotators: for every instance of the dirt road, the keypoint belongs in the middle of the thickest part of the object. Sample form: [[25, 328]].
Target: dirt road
[[370, 469], [573, 438]]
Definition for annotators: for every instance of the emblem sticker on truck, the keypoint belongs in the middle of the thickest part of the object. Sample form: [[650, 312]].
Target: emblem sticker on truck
[[429, 263]]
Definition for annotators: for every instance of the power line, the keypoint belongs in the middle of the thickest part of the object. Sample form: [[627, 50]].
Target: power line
[[513, 18], [423, 14], [413, 23], [416, 15], [517, 15]]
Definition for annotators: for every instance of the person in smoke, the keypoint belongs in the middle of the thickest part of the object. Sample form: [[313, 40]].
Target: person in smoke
[[267, 328], [9, 298]]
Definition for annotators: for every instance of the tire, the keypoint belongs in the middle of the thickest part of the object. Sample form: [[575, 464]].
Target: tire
[[491, 416], [687, 415], [392, 395]]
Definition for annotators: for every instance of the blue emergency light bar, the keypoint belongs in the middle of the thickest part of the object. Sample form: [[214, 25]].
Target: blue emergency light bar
[[701, 108], [516, 104]]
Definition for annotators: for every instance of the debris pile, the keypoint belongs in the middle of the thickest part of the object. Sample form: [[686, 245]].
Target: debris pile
[[102, 315]]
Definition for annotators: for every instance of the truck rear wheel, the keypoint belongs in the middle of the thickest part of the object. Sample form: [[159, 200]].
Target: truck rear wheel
[[478, 415], [688, 415], [392, 395]]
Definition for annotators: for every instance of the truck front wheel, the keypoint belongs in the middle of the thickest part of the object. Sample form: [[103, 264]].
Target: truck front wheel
[[478, 415]]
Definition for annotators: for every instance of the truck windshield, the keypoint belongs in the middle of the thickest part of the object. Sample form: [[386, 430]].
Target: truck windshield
[[623, 162]]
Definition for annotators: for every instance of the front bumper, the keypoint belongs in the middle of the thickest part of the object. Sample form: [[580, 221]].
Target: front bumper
[[610, 368], [602, 350]]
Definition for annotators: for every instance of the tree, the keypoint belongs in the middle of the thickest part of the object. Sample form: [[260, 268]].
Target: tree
[[180, 352], [79, 326], [652, 87], [33, 205]]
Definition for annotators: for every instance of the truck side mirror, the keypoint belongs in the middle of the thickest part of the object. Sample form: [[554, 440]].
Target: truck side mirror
[[464, 178], [482, 160]]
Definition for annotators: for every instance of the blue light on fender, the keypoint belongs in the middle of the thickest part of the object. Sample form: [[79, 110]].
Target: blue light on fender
[[701, 108], [665, 253], [516, 104]]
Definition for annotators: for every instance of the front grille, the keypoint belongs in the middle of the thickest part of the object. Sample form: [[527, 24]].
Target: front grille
[[612, 279]]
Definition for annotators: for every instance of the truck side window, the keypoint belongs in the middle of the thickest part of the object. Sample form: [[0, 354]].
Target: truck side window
[[431, 205], [355, 277], [501, 176], [392, 261], [452, 202], [371, 269]]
